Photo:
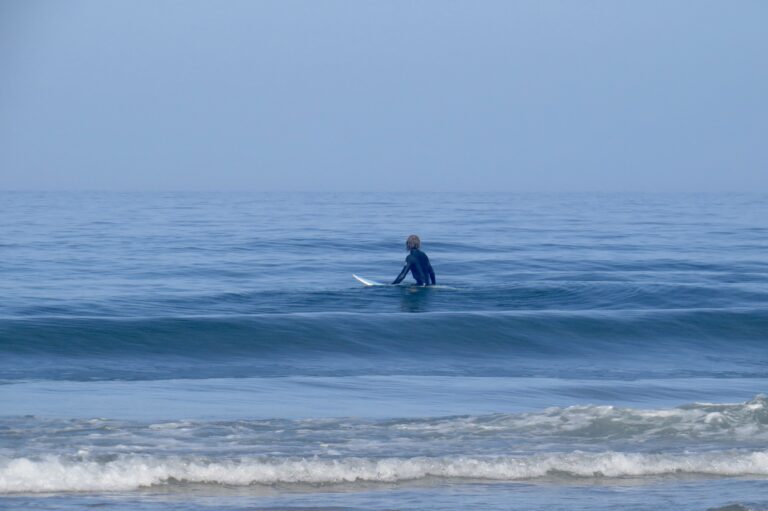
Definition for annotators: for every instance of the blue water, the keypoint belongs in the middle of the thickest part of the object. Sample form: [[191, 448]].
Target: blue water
[[211, 350]]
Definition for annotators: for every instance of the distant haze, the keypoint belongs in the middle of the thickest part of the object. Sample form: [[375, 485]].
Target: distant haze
[[389, 95]]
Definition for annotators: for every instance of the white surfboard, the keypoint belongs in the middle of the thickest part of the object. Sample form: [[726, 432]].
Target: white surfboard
[[367, 282]]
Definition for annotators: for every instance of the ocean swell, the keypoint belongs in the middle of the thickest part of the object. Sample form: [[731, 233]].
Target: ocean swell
[[553, 333]]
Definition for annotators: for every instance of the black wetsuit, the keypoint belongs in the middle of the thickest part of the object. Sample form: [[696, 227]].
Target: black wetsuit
[[417, 263]]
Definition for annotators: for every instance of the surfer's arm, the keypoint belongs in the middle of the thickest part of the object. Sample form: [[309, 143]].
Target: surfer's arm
[[431, 273], [403, 273]]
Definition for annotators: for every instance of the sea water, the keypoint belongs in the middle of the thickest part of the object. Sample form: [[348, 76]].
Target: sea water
[[212, 351]]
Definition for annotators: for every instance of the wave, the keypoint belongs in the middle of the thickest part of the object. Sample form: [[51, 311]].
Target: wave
[[740, 507], [692, 426], [720, 422], [746, 421], [592, 288], [472, 334], [130, 472]]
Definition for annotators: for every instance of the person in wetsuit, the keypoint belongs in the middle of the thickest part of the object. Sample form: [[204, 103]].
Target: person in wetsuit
[[417, 263]]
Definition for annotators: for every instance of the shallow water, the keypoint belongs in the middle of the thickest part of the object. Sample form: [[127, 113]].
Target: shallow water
[[582, 351]]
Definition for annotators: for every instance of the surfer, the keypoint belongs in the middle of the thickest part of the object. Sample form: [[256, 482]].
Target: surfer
[[417, 263]]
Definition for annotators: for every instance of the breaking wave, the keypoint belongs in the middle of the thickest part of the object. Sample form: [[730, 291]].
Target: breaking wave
[[60, 474]]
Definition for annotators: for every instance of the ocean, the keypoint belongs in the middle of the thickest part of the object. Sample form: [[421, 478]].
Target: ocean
[[201, 351]]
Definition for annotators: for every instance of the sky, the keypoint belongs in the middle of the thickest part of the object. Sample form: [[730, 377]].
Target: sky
[[362, 95]]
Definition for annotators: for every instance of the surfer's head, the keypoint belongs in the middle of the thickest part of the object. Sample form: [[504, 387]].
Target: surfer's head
[[412, 242]]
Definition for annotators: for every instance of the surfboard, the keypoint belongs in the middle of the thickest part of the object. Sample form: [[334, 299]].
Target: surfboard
[[367, 282]]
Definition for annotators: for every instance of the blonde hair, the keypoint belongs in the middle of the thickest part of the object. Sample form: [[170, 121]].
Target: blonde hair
[[412, 242]]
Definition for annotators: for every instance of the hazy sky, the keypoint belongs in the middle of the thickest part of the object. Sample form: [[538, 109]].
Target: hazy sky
[[387, 95]]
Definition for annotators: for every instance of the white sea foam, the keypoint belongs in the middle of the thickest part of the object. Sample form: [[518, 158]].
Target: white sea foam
[[58, 474], [737, 421]]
